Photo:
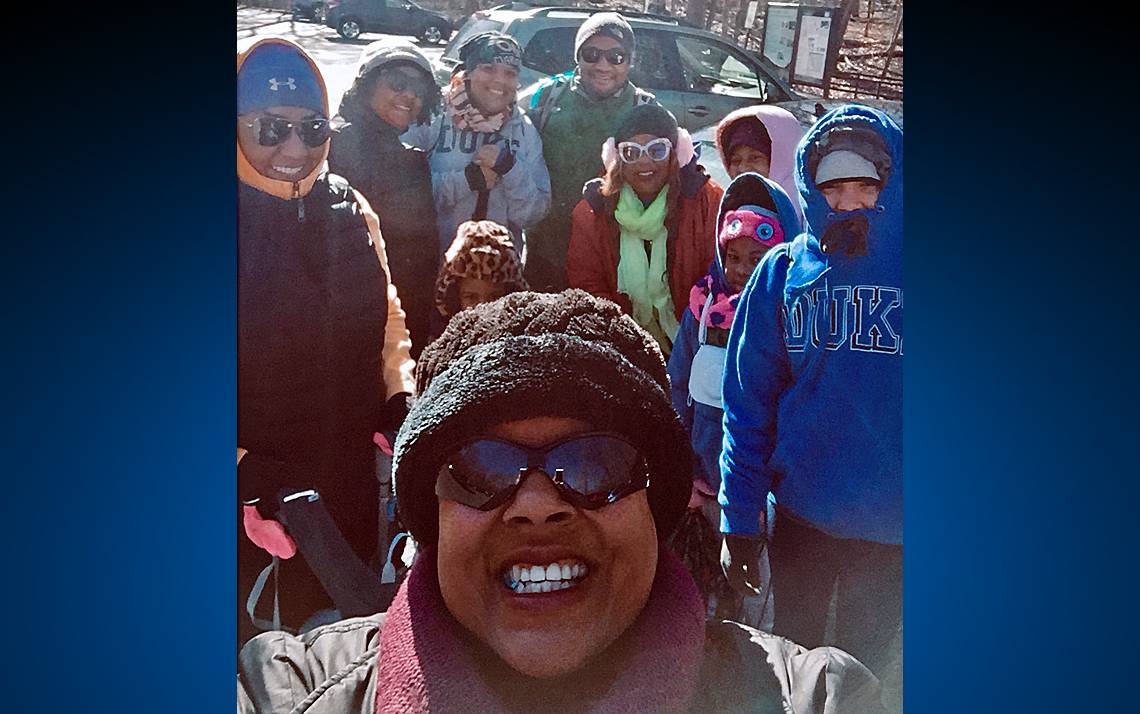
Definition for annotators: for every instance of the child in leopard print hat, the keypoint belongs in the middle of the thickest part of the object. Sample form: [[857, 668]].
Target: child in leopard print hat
[[480, 266]]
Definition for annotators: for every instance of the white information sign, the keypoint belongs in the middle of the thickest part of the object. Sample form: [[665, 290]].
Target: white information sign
[[811, 53], [750, 16], [779, 34]]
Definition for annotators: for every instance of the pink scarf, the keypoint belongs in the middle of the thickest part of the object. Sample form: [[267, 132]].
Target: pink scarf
[[464, 114], [723, 308], [429, 663]]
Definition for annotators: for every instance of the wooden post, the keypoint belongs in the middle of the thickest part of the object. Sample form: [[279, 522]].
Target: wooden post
[[890, 49]]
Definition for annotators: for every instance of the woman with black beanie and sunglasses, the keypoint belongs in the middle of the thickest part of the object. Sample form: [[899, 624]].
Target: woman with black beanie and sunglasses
[[394, 89], [323, 360], [542, 471]]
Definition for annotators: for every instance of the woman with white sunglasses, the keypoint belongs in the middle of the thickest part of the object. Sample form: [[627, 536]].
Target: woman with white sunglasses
[[643, 233]]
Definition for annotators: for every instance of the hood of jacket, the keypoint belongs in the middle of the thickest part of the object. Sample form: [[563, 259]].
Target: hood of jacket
[[249, 175], [752, 188], [783, 129], [885, 221], [818, 216]]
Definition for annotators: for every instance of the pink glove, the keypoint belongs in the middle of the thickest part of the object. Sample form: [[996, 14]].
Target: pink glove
[[268, 535], [382, 441]]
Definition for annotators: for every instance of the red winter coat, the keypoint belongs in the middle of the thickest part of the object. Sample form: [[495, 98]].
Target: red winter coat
[[592, 260]]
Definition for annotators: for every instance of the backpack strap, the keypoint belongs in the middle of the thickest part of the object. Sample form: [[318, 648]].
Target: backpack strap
[[547, 98], [255, 596]]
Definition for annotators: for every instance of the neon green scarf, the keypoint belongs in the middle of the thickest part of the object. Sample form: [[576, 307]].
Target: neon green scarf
[[642, 277]]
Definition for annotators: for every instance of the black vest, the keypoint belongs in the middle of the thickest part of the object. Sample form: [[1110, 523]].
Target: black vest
[[312, 307]]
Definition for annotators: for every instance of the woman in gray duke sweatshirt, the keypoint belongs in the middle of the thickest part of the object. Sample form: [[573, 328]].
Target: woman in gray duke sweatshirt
[[485, 155]]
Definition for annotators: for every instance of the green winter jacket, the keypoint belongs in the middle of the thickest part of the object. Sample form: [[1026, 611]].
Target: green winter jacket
[[573, 127]]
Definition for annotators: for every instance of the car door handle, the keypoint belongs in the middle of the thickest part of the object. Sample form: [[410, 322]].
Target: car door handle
[[699, 111]]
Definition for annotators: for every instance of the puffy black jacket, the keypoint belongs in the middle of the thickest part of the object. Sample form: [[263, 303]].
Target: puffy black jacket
[[396, 181], [312, 309]]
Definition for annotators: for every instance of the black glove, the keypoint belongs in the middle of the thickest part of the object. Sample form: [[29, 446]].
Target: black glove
[[846, 237], [261, 479], [506, 160], [740, 558], [393, 414], [476, 181]]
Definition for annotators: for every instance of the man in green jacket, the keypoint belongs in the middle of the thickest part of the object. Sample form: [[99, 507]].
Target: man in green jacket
[[575, 112]]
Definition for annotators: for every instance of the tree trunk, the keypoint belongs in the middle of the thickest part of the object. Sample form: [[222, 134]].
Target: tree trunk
[[695, 12]]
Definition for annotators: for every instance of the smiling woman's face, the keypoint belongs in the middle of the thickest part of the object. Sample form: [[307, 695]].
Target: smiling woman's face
[[610, 555], [645, 176], [397, 107], [292, 159], [493, 87]]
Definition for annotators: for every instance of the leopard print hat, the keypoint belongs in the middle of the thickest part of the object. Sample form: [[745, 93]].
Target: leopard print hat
[[481, 250]]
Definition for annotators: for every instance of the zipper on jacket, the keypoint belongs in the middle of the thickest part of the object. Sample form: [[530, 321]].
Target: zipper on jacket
[[300, 202]]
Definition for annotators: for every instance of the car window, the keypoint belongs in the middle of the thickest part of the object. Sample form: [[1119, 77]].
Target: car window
[[471, 28], [655, 63], [550, 51], [714, 68]]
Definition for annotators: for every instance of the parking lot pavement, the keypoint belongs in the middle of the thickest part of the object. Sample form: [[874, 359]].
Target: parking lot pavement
[[335, 56]]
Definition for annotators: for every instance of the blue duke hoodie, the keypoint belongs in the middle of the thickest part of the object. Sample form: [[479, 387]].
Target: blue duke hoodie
[[813, 375], [703, 421]]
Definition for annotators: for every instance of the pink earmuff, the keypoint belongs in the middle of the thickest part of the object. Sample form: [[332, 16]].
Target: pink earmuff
[[685, 150], [609, 154]]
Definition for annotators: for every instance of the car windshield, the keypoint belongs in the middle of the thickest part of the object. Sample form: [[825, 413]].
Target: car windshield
[[473, 27]]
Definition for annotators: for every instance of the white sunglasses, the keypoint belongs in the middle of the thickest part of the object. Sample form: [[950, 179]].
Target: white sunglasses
[[658, 150]]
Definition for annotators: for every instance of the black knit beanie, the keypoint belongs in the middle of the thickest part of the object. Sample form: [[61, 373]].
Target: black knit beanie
[[648, 119], [539, 354]]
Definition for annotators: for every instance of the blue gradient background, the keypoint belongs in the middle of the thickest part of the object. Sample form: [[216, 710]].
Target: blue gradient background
[[119, 269]]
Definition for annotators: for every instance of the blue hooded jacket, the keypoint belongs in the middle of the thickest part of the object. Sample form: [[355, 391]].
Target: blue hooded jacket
[[813, 376], [702, 421]]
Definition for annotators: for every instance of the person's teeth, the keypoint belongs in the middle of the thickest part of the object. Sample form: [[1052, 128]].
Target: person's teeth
[[536, 578]]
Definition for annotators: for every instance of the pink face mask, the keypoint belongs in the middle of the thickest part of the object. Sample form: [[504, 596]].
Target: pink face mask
[[753, 222]]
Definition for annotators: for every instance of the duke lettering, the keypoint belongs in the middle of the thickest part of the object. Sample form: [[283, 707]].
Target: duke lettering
[[865, 318]]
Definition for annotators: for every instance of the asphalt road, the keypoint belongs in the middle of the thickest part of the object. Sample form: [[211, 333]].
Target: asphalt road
[[336, 57]]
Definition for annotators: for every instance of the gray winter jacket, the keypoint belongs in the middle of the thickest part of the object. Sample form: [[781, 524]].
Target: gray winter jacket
[[332, 670], [518, 199]]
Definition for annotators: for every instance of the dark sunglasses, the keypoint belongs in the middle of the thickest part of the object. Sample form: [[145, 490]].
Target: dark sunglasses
[[591, 55], [589, 470], [399, 82], [271, 130]]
